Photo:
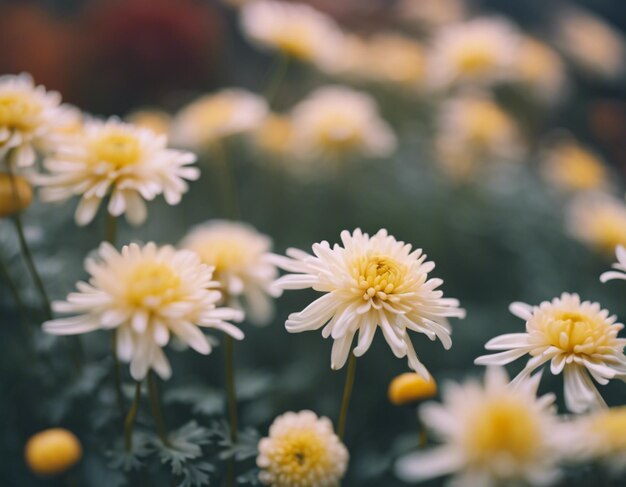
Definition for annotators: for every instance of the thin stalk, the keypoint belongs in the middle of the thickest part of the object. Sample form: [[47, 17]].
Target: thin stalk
[[129, 422], [347, 394], [228, 190], [157, 412], [17, 298], [275, 78], [111, 228], [231, 391]]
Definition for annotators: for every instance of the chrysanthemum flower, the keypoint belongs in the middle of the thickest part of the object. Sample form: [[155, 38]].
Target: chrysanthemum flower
[[274, 136], [335, 122], [541, 69], [241, 261], [396, 59], [368, 283], [598, 220], [28, 116], [146, 294], [492, 435], [119, 160], [151, 118], [578, 338], [302, 450], [601, 437], [217, 116], [473, 131], [570, 166], [481, 51], [295, 29]]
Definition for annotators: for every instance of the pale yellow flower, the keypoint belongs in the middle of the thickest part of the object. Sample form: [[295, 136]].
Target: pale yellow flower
[[572, 167], [541, 69], [153, 119], [396, 59], [274, 136]]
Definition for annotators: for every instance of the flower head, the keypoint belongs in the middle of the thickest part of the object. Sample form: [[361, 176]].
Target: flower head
[[396, 59], [476, 52], [240, 258], [598, 220], [274, 136], [150, 118], [336, 122], [217, 116], [493, 435], [16, 194], [368, 283], [411, 387], [570, 166], [52, 451], [295, 29], [119, 160], [302, 450], [578, 338], [28, 116], [541, 69], [146, 294]]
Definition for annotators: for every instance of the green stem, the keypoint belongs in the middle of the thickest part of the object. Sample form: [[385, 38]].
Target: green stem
[[129, 422], [111, 229], [275, 78], [155, 406], [117, 376], [230, 200], [231, 391], [19, 303], [347, 394]]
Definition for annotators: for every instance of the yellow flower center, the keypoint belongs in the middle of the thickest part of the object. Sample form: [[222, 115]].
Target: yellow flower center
[[338, 134], [537, 61], [215, 111], [18, 111], [300, 456], [485, 122], [275, 135], [378, 276], [295, 41], [117, 148], [224, 255], [610, 426], [153, 284], [576, 332], [577, 168], [503, 427], [475, 59]]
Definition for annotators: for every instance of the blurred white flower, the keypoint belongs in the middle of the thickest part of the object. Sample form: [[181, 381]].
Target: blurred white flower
[[572, 167], [146, 294], [492, 435], [474, 131], [578, 338], [337, 122], [598, 220], [28, 117], [274, 136], [600, 437], [619, 266], [395, 59], [368, 283], [541, 69], [350, 59], [302, 450], [591, 43], [151, 118], [214, 117], [240, 257], [481, 51], [295, 29], [113, 158], [431, 14]]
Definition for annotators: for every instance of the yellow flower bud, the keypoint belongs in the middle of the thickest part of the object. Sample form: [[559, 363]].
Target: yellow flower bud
[[52, 451], [9, 203], [411, 387]]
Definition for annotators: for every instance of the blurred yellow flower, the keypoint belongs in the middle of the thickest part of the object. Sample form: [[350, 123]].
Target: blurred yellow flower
[[295, 29], [302, 450], [410, 388], [570, 166], [274, 136], [153, 119], [396, 59], [214, 117], [480, 51], [598, 220], [493, 435], [541, 69], [52, 451], [15, 195]]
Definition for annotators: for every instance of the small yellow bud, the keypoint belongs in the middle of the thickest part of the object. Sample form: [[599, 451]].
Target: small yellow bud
[[10, 203], [52, 451], [411, 387]]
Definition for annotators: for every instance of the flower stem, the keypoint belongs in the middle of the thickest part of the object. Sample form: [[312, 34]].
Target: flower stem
[[111, 228], [230, 200], [117, 376], [347, 394], [231, 391], [19, 303], [129, 422], [155, 406], [275, 78]]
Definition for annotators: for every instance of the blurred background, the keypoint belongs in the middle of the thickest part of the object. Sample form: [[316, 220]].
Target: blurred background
[[498, 232]]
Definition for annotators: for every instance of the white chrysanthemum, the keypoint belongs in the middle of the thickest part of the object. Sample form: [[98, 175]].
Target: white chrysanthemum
[[477, 52], [541, 69], [473, 131], [578, 338], [591, 43], [28, 117], [368, 283], [116, 159], [598, 220], [146, 294], [335, 122], [600, 437], [240, 258], [214, 117], [493, 435], [295, 29], [302, 450]]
